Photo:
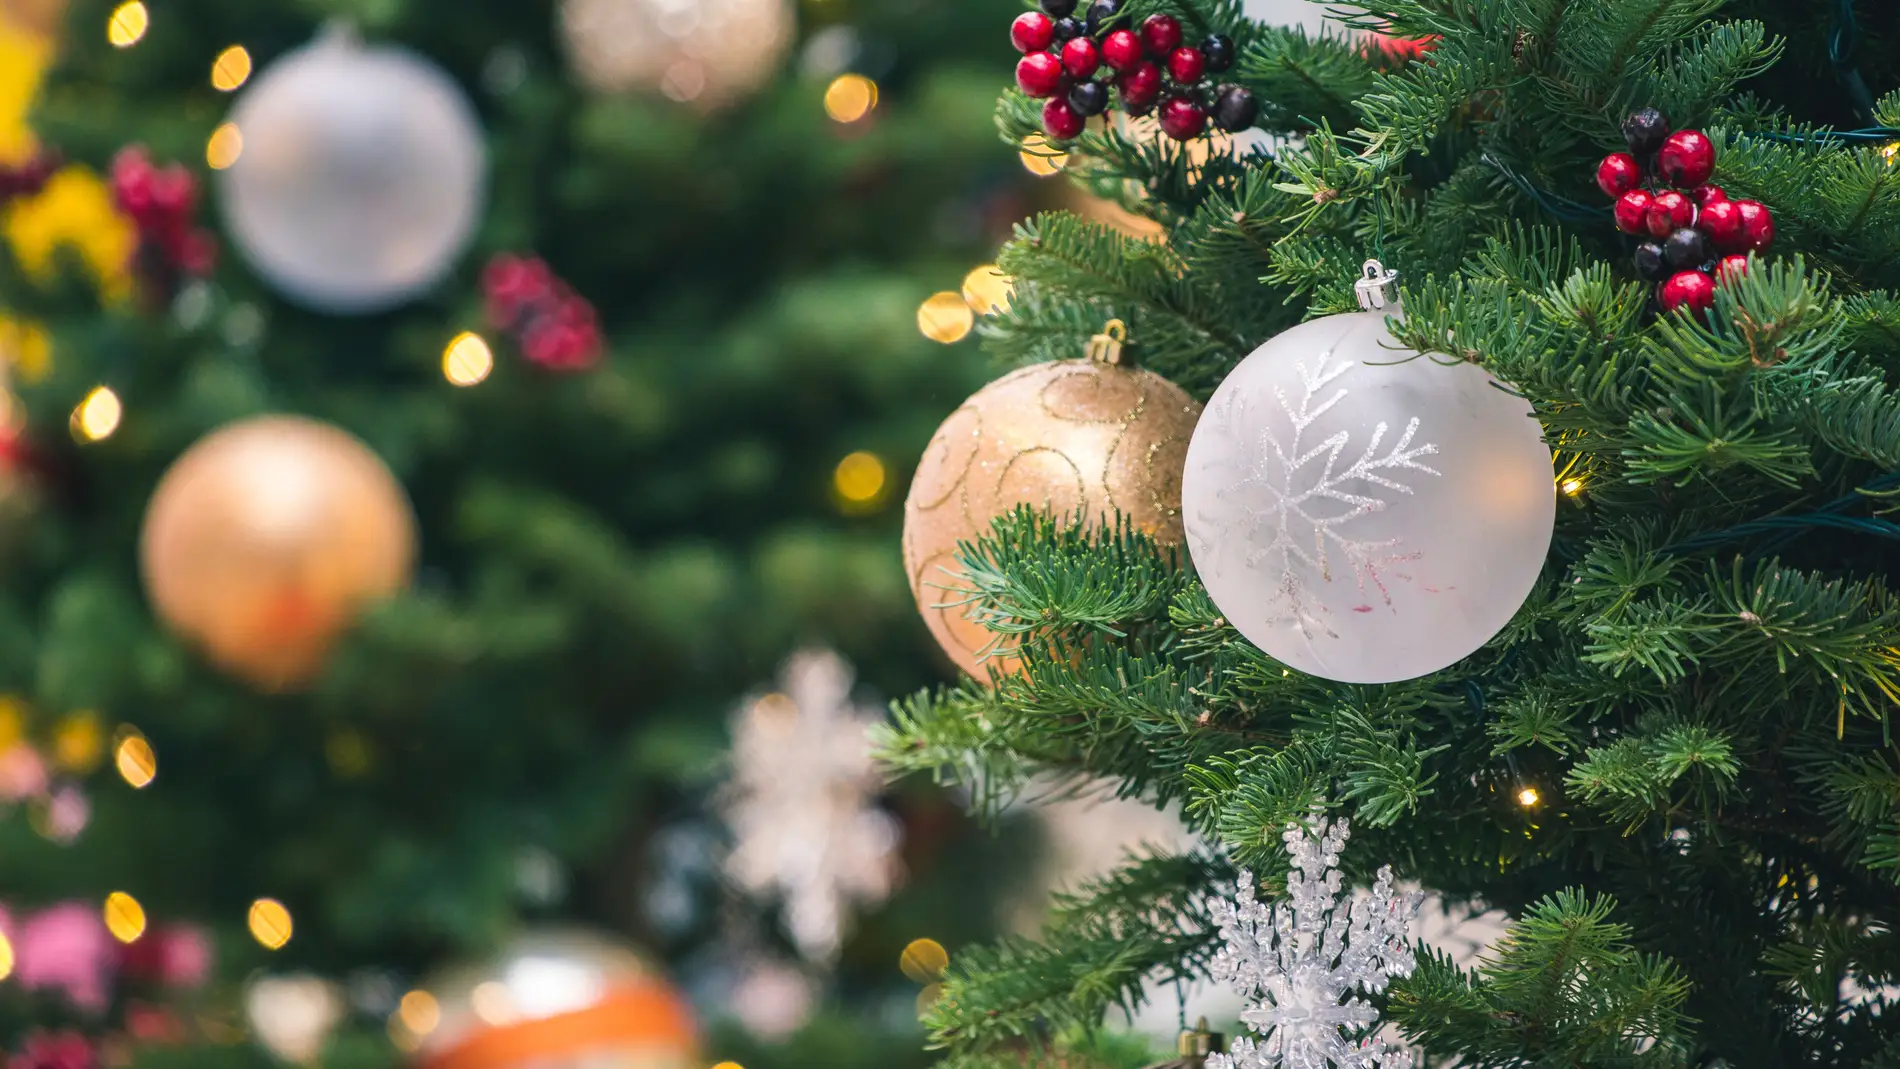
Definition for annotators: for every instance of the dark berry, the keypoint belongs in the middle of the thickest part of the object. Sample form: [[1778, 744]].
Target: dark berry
[[1032, 31], [1219, 50], [1089, 98], [1187, 66], [1235, 109], [1162, 35], [1707, 195], [1182, 119], [1687, 249], [1101, 14], [1669, 212], [1140, 88], [1068, 29], [1122, 50], [1039, 74], [1649, 262], [1687, 159], [1632, 211], [1730, 269], [1690, 289], [1081, 58], [1062, 122], [1645, 132], [1060, 9], [1618, 174], [1722, 222], [1758, 225]]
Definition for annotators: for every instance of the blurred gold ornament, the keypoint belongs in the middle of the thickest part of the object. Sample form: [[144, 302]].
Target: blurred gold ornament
[[1072, 436], [945, 317], [567, 1000], [987, 290], [267, 538], [924, 961], [709, 53]]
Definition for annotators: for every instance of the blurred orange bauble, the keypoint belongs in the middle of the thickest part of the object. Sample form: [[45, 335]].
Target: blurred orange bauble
[[1072, 436], [553, 1000], [267, 538]]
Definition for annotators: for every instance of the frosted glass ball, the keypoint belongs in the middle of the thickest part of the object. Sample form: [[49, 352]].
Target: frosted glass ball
[[709, 53], [361, 176], [1361, 516]]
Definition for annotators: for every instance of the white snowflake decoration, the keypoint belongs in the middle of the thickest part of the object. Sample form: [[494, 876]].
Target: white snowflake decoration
[[1302, 964], [800, 803]]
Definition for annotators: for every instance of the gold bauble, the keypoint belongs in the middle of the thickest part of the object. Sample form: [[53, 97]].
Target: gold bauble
[[267, 538], [1073, 436], [709, 53], [553, 1000]]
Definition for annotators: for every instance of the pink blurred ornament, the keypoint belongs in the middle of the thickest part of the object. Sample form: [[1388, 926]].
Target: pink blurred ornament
[[67, 814], [55, 1050], [22, 773], [66, 948], [174, 957]]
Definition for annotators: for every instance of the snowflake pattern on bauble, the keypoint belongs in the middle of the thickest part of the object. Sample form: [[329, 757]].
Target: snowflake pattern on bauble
[[1302, 964], [1303, 497]]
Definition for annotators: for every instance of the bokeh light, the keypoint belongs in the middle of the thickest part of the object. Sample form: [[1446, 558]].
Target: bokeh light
[[1529, 797], [420, 1012], [135, 759], [850, 97], [1041, 160], [270, 924], [125, 918], [924, 960], [1573, 487], [467, 360], [987, 290], [6, 956], [79, 743], [225, 146], [98, 415], [231, 69], [128, 24], [860, 479], [946, 318]]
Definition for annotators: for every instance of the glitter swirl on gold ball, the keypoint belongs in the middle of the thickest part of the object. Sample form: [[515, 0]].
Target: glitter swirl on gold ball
[[267, 538], [1067, 437]]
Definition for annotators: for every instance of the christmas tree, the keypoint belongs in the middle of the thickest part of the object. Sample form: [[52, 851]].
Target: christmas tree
[[623, 529], [1640, 702]]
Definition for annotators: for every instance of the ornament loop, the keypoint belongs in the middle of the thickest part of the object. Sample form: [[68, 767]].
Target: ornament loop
[[1197, 1044], [1106, 347], [1378, 289]]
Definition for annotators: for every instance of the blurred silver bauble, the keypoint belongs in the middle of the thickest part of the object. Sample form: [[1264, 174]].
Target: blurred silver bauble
[[705, 52], [360, 178]]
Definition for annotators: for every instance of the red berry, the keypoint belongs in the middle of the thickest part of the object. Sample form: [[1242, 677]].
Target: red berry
[[1722, 222], [1730, 269], [1032, 31], [1162, 34], [1670, 212], [1122, 50], [1691, 289], [1187, 66], [1081, 58], [1061, 121], [1707, 195], [1182, 119], [1758, 224], [1141, 87], [1618, 174], [196, 253], [1039, 74], [1687, 159], [1632, 211], [174, 191]]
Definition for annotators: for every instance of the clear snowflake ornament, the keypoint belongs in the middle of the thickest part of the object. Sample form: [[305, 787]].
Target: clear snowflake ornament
[[1302, 964], [801, 803]]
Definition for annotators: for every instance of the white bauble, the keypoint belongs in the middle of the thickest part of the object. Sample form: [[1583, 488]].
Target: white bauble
[[705, 52], [1361, 516], [1309, 15], [361, 176]]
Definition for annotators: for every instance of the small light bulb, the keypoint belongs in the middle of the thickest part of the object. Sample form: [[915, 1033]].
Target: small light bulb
[[225, 146], [946, 318], [98, 415], [1573, 487], [231, 69], [125, 918], [1528, 797], [128, 24], [850, 97], [136, 761], [468, 360]]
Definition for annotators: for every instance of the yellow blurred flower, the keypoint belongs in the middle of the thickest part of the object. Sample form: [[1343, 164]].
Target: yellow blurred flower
[[25, 348], [75, 210], [23, 60]]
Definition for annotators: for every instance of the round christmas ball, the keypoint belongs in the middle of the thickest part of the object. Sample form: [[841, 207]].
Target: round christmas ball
[[709, 53], [267, 538], [1363, 517], [361, 177], [1070, 437], [558, 1000]]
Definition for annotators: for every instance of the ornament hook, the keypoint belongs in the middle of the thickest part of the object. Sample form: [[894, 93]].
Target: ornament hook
[[1378, 288], [1106, 347], [1196, 1044]]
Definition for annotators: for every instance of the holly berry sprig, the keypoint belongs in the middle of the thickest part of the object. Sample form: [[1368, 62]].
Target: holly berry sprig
[[162, 203], [1700, 238], [556, 328], [1149, 67]]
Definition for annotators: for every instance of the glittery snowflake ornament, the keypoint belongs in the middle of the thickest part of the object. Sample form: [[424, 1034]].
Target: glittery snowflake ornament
[[801, 803], [1302, 964], [1363, 513]]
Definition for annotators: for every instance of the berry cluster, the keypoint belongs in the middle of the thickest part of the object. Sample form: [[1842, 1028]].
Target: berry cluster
[[556, 328], [163, 203], [55, 1050], [27, 179], [1700, 237], [1149, 66]]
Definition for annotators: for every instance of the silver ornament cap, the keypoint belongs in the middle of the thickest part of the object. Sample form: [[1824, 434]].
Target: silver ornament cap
[[1378, 288]]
